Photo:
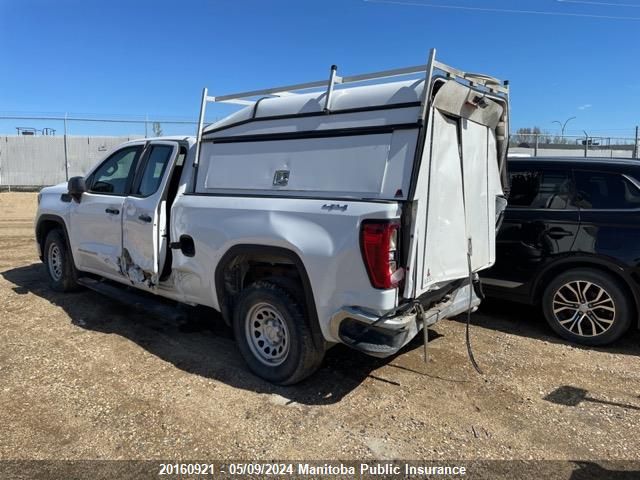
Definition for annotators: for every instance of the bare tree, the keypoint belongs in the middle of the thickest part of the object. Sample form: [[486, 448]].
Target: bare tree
[[157, 129], [527, 137]]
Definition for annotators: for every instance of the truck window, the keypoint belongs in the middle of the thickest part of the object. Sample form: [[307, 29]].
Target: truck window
[[112, 176], [154, 169]]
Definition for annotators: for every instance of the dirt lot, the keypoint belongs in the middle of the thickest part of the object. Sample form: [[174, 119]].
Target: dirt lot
[[82, 377]]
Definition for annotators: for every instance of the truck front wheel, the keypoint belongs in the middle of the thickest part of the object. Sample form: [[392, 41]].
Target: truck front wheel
[[57, 259], [273, 334]]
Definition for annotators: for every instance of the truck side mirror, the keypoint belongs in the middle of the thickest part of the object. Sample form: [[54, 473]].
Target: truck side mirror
[[76, 187]]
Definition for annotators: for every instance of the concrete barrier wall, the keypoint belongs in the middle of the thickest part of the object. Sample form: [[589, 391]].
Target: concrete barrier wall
[[572, 152], [38, 161]]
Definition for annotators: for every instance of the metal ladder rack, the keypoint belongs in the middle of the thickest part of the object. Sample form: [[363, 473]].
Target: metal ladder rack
[[484, 82]]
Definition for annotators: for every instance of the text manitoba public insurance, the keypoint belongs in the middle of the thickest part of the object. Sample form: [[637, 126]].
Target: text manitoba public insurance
[[379, 469]]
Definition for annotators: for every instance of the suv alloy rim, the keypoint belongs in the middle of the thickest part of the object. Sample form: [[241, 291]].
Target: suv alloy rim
[[55, 261], [267, 334], [583, 308]]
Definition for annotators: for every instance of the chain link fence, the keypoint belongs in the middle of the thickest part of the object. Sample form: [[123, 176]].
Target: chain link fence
[[46, 150], [544, 145]]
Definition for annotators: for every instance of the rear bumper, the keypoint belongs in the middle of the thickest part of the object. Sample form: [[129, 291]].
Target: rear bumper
[[353, 325]]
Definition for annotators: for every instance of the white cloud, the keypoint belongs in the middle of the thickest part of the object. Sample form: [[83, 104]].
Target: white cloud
[[585, 106]]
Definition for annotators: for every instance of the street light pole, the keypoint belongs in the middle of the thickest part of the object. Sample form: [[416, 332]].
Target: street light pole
[[563, 126]]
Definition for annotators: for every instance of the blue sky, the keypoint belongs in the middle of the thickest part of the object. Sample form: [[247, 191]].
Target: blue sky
[[138, 57]]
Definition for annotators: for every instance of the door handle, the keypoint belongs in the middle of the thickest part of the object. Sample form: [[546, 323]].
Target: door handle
[[145, 218], [112, 211], [558, 232]]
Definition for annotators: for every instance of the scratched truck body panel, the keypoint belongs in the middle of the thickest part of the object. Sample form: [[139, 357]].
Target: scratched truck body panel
[[344, 215]]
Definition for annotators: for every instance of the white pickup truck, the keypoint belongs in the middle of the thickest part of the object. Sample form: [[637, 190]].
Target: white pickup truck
[[317, 214]]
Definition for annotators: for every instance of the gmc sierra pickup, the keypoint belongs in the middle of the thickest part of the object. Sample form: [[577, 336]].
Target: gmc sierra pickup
[[316, 214]]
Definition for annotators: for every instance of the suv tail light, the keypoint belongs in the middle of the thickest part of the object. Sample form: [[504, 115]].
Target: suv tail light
[[379, 245]]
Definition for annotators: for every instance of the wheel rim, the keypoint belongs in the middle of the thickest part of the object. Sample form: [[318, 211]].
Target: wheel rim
[[267, 334], [55, 261], [584, 308]]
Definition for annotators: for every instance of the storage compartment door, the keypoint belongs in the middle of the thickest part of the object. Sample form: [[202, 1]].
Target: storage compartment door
[[437, 250], [461, 214], [454, 207], [479, 208], [445, 245]]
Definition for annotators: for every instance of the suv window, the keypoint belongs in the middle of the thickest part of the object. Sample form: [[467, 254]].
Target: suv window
[[541, 188], [154, 169], [112, 176], [598, 190]]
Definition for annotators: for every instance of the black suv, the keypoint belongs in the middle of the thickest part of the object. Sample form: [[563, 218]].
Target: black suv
[[570, 242]]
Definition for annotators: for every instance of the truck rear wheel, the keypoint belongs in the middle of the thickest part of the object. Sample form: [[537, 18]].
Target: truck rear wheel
[[57, 259], [273, 334]]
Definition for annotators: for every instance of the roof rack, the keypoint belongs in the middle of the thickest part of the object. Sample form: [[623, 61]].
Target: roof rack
[[243, 98], [490, 84]]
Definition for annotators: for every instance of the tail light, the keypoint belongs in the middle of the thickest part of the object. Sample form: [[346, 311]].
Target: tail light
[[379, 244]]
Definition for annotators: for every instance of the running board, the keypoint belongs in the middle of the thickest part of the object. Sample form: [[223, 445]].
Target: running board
[[138, 300]]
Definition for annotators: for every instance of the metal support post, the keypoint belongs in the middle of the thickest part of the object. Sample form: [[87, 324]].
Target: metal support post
[[426, 95], [196, 161], [66, 150], [332, 81], [586, 144], [610, 147]]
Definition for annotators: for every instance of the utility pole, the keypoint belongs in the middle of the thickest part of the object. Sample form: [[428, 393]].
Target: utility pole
[[635, 145]]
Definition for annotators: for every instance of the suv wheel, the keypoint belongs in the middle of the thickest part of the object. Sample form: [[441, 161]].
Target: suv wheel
[[587, 306], [59, 264], [273, 334]]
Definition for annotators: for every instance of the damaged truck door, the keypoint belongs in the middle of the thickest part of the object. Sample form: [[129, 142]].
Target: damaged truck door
[[95, 231], [144, 220]]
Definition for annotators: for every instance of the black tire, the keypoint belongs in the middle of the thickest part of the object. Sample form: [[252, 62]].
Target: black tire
[[602, 309], [283, 313], [62, 272]]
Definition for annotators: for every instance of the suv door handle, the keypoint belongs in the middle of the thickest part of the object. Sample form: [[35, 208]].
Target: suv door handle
[[112, 211], [558, 232], [145, 218]]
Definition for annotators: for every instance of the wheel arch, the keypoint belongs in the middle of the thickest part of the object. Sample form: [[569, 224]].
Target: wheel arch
[[594, 263], [238, 254], [46, 223]]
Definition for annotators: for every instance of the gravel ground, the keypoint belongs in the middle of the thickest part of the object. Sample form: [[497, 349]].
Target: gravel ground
[[84, 378]]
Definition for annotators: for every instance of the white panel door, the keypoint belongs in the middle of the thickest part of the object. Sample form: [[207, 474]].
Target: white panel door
[[445, 249], [454, 204], [475, 157]]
